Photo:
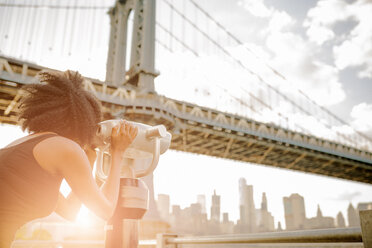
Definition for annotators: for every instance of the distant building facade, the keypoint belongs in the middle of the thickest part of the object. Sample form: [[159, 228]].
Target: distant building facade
[[294, 212], [227, 226], [352, 216], [163, 204], [265, 221], [216, 207], [201, 200], [340, 220], [320, 221], [247, 208]]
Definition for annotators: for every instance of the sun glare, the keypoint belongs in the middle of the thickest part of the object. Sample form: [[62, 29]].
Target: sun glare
[[85, 217]]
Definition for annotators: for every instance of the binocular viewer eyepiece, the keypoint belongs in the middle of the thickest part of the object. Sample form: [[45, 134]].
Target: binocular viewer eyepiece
[[143, 145], [142, 154]]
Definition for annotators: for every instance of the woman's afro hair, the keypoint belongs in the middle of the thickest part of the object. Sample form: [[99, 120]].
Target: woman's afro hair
[[60, 104]]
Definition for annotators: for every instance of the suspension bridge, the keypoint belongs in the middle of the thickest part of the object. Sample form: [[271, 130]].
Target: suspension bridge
[[140, 59]]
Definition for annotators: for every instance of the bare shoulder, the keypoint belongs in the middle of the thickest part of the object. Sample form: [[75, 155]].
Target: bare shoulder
[[57, 151], [57, 144]]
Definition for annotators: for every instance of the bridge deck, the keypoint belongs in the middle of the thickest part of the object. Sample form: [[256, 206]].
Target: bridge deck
[[200, 130]]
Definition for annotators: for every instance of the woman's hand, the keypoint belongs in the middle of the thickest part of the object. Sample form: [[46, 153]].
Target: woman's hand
[[122, 135]]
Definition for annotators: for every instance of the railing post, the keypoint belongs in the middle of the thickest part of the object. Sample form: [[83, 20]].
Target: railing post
[[161, 239], [366, 225]]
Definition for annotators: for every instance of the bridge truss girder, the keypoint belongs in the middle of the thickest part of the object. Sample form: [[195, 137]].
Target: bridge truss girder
[[200, 130]]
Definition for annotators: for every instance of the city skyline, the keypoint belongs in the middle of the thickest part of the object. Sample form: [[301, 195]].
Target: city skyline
[[194, 220], [176, 169], [256, 217]]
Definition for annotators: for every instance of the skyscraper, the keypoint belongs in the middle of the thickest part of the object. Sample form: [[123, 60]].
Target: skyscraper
[[279, 229], [227, 226], [319, 221], [352, 216], [319, 213], [264, 202], [265, 220], [176, 216], [294, 212], [340, 220], [215, 208], [247, 208], [163, 204], [201, 200]]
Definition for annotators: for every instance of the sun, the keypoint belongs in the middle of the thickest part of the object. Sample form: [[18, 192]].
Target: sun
[[85, 218]]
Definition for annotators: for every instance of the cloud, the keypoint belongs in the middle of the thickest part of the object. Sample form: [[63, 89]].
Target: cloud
[[322, 17], [207, 81], [280, 21], [298, 59], [295, 58], [256, 7], [352, 49], [347, 196], [362, 118], [319, 34], [357, 50]]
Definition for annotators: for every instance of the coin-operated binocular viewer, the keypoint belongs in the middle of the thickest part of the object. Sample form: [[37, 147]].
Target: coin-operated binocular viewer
[[140, 159]]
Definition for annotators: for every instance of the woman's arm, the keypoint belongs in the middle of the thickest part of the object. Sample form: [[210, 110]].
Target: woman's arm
[[68, 207], [67, 159]]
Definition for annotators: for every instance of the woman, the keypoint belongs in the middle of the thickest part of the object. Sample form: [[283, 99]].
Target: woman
[[62, 118]]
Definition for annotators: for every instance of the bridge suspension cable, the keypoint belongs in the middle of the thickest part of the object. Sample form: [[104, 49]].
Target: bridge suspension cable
[[275, 72], [297, 102], [68, 34]]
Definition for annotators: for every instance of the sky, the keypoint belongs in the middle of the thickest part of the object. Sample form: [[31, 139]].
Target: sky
[[325, 49], [322, 47]]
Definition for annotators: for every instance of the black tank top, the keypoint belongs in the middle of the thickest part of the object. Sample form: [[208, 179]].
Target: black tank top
[[27, 191]]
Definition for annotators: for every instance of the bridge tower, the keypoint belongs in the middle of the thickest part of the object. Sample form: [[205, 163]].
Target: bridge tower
[[131, 58]]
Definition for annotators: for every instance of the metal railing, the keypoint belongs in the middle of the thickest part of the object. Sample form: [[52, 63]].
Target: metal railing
[[337, 237], [71, 243]]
